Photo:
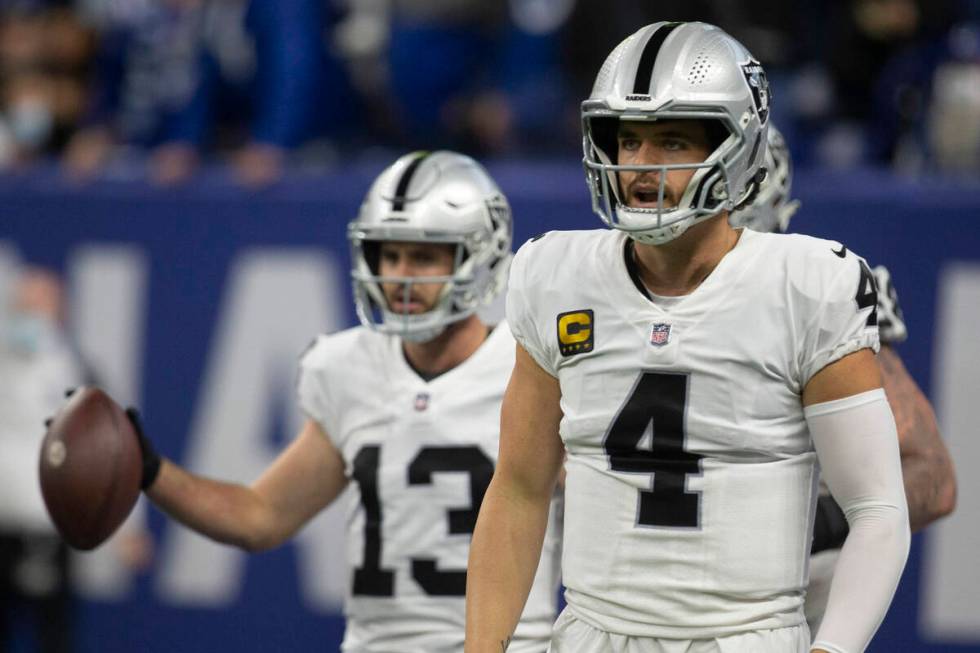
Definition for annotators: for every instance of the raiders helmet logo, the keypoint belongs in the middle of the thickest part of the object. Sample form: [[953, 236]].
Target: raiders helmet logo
[[755, 76]]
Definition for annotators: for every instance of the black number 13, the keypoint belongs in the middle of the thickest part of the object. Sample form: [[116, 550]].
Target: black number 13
[[370, 579]]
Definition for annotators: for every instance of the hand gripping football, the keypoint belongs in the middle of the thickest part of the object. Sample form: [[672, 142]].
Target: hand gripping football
[[90, 468]]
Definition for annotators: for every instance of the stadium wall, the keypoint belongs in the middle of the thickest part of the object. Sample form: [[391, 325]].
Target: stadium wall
[[195, 303]]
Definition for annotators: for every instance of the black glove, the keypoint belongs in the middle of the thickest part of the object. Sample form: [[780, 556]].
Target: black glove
[[830, 528], [151, 459]]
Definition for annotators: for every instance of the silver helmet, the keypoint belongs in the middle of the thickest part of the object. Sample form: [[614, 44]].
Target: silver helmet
[[437, 197], [677, 71], [771, 209]]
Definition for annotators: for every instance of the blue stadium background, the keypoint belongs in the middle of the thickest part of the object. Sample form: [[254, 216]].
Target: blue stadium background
[[193, 239]]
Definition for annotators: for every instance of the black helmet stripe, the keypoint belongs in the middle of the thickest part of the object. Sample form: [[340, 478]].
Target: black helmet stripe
[[644, 71], [401, 190]]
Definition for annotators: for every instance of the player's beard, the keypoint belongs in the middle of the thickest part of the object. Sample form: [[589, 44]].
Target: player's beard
[[398, 296]]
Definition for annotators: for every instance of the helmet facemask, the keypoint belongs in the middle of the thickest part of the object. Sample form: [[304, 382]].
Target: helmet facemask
[[708, 193], [374, 308]]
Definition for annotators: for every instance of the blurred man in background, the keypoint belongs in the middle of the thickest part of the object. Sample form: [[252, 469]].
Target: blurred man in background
[[36, 362], [404, 408]]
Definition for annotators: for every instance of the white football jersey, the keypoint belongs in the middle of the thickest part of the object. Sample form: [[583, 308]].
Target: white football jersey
[[421, 455], [691, 475]]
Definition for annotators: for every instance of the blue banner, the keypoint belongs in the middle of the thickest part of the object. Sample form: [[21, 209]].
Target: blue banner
[[194, 303]]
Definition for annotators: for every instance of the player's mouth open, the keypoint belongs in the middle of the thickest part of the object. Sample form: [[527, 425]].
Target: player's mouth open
[[646, 196]]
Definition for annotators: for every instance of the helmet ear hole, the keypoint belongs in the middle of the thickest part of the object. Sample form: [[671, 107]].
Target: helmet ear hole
[[372, 255], [605, 133], [756, 184], [717, 133]]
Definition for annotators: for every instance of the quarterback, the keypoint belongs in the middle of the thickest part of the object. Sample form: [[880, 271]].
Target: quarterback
[[690, 375], [405, 408], [927, 469]]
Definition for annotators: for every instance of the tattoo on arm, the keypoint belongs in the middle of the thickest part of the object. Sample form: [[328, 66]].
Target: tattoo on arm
[[926, 464], [504, 644]]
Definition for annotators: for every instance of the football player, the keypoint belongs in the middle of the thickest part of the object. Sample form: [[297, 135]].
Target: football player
[[692, 374], [927, 469], [405, 408]]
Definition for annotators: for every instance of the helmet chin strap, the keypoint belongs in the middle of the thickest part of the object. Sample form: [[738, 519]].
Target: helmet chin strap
[[425, 335], [405, 330]]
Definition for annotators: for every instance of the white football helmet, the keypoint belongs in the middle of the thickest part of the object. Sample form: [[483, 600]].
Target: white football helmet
[[437, 197], [771, 209], [677, 71]]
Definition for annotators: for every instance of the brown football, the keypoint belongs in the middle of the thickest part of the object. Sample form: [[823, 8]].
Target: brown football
[[90, 468]]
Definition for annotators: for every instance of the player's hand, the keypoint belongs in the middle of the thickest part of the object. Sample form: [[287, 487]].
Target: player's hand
[[87, 153], [68, 393], [172, 164], [259, 164], [151, 459]]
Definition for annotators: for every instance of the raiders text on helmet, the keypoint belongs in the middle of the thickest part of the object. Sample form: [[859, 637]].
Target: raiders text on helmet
[[438, 197], [677, 71]]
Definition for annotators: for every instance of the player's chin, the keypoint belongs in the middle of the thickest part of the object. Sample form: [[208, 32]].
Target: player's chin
[[407, 308], [636, 203]]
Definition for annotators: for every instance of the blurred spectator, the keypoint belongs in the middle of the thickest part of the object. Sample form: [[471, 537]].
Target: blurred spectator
[[436, 53], [881, 55], [953, 124], [520, 112], [476, 75], [263, 82], [44, 57], [194, 78], [36, 365], [145, 72]]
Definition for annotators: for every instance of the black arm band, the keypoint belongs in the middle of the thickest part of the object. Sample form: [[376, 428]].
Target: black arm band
[[830, 527], [151, 459]]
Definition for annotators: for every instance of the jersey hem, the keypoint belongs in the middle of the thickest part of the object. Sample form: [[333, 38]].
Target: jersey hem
[[629, 628]]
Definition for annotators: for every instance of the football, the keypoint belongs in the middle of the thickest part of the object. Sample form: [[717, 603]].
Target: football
[[90, 468]]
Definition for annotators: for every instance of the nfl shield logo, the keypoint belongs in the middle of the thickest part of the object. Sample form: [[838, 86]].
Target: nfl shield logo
[[660, 334], [421, 401]]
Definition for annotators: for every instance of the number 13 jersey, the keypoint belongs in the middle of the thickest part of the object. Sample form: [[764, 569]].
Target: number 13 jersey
[[421, 455], [691, 475]]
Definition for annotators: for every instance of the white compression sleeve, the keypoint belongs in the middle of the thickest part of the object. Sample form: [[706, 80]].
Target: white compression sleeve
[[857, 444]]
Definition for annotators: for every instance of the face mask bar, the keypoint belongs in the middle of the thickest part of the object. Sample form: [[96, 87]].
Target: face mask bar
[[600, 174], [697, 203], [375, 312]]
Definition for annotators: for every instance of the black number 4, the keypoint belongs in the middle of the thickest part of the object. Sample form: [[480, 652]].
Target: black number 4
[[657, 404], [867, 294]]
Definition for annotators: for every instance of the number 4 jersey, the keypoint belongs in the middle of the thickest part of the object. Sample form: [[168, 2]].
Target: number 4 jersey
[[421, 455], [691, 476]]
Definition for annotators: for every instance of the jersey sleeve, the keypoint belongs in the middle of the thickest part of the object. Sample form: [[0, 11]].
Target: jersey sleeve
[[520, 310], [842, 315], [891, 321], [314, 388]]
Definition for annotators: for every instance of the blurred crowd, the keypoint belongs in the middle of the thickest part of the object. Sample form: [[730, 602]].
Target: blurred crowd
[[159, 87]]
